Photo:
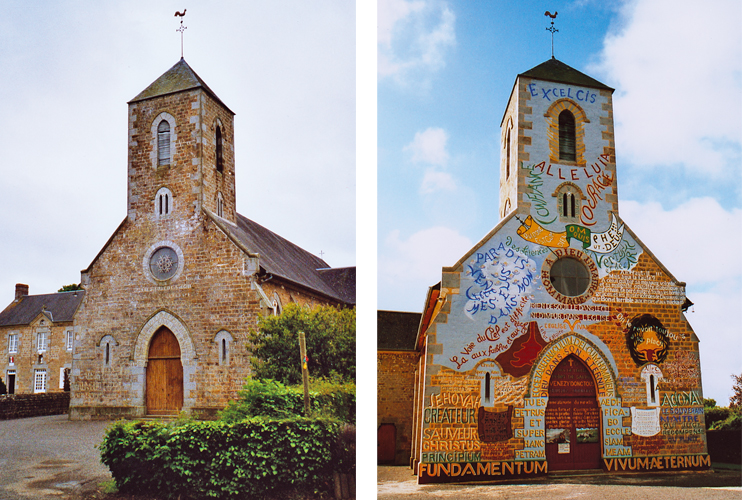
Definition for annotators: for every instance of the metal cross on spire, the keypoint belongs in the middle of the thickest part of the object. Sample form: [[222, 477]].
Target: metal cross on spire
[[183, 28], [552, 29]]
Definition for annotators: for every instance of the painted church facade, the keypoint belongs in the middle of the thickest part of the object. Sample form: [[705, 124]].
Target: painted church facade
[[170, 299], [559, 342]]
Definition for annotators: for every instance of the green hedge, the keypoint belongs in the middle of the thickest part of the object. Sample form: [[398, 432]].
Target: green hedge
[[254, 458], [273, 399]]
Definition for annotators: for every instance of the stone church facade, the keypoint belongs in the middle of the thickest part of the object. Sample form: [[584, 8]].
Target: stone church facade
[[170, 299], [559, 342]]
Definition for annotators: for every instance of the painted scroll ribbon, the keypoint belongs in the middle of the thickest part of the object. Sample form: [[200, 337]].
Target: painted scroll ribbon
[[604, 242]]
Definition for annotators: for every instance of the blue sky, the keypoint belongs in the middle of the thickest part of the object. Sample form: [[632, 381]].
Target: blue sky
[[445, 72], [68, 69]]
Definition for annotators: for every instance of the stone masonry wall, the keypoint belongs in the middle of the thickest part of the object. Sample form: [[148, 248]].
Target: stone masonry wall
[[395, 397]]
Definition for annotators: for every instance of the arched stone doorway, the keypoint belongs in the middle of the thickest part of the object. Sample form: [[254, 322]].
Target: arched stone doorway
[[164, 384], [572, 417]]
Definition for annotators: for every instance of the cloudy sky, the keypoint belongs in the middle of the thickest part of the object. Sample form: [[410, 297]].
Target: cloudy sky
[[287, 69], [445, 71]]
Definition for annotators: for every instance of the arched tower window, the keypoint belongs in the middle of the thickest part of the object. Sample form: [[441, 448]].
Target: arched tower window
[[163, 202], [219, 205], [567, 136], [569, 198], [163, 143], [507, 155], [219, 153]]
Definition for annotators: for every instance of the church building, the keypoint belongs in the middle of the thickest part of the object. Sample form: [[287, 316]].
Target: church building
[[170, 299], [559, 342]]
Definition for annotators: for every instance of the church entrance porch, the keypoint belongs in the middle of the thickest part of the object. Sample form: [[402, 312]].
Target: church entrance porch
[[572, 418], [164, 382]]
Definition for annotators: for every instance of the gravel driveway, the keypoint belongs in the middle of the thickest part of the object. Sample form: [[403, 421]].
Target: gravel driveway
[[50, 457]]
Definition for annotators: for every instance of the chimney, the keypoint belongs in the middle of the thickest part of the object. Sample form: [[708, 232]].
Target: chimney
[[20, 291]]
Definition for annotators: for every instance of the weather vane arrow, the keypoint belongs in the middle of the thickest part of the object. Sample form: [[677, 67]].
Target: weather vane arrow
[[550, 28]]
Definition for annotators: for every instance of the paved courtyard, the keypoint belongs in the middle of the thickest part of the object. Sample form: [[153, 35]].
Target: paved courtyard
[[398, 483], [50, 457]]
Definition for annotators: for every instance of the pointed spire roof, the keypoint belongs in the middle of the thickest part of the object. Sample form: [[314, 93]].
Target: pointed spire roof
[[555, 70], [179, 78]]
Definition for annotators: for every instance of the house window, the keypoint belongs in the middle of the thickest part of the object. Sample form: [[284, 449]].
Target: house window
[[570, 276], [39, 381], [223, 341], [13, 343], [219, 154], [41, 341], [163, 202], [567, 136], [163, 143], [68, 337]]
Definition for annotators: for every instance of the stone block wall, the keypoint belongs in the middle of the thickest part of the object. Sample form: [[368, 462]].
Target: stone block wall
[[33, 405], [395, 397]]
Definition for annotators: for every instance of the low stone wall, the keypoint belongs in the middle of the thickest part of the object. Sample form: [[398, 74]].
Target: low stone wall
[[33, 405], [725, 446]]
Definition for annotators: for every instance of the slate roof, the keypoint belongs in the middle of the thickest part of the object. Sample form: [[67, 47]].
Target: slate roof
[[179, 78], [396, 331], [279, 257], [555, 70], [62, 307]]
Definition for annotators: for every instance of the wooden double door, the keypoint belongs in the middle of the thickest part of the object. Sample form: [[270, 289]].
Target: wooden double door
[[164, 383], [572, 418]]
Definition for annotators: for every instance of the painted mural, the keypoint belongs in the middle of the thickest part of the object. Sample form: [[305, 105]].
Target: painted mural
[[520, 310]]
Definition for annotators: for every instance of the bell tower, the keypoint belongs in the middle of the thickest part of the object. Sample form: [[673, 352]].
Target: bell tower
[[181, 150], [558, 160]]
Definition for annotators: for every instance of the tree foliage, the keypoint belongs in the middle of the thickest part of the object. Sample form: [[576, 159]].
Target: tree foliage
[[70, 288], [331, 344], [736, 400]]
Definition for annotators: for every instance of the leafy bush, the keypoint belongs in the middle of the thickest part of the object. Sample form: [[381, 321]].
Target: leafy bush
[[331, 344], [715, 414], [254, 458], [733, 421], [273, 399]]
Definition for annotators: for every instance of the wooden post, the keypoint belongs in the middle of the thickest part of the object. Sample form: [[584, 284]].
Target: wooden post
[[304, 370]]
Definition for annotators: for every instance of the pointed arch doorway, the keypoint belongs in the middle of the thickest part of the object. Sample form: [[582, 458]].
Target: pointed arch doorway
[[164, 384], [572, 418]]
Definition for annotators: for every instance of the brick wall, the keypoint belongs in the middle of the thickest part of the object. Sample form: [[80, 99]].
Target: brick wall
[[33, 405], [395, 397]]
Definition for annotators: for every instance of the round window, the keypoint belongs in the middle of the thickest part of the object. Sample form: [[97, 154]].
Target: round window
[[570, 276], [163, 264]]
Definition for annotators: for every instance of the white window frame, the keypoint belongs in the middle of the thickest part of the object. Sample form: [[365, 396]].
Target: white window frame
[[69, 338], [42, 341], [39, 381], [13, 343]]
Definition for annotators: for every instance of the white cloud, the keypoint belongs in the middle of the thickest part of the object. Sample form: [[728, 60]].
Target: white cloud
[[686, 238], [434, 182], [698, 242], [413, 38], [407, 267], [429, 146], [677, 67]]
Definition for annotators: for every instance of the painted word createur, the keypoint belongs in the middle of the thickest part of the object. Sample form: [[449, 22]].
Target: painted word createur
[[450, 415]]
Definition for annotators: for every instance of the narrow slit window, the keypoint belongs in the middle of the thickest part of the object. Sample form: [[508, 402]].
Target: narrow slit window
[[219, 153], [507, 155], [487, 387], [163, 143], [108, 354], [567, 136]]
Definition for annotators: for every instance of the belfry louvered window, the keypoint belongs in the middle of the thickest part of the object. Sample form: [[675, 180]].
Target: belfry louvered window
[[163, 143], [219, 154], [567, 136]]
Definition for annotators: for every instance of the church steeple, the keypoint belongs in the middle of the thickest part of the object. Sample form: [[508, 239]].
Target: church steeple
[[181, 149], [558, 153]]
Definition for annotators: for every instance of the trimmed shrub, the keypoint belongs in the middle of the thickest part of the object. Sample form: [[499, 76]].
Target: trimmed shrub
[[254, 458], [273, 399], [715, 414]]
